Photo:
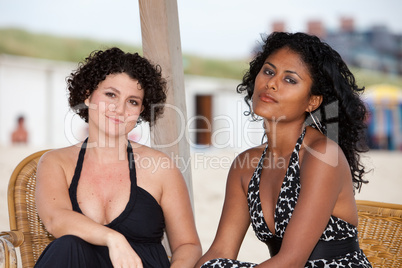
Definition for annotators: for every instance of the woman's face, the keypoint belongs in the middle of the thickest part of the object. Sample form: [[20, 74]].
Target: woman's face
[[115, 105], [282, 87]]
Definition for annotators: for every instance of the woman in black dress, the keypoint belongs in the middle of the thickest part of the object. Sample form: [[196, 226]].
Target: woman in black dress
[[108, 200]]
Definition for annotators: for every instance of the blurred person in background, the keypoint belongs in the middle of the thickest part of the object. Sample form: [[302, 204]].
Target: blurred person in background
[[20, 134]]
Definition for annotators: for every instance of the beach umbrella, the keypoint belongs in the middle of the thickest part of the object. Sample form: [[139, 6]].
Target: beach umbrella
[[385, 105], [384, 94]]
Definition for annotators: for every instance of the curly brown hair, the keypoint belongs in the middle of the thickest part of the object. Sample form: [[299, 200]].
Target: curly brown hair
[[99, 64]]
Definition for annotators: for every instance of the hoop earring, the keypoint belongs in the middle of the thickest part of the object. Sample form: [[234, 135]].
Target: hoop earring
[[317, 122], [254, 117], [265, 133]]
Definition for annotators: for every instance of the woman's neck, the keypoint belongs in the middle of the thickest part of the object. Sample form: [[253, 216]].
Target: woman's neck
[[282, 137], [106, 149]]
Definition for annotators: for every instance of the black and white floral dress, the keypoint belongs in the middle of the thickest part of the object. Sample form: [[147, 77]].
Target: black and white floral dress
[[337, 229]]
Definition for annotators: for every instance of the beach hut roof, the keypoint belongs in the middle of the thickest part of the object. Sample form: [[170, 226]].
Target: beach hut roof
[[383, 93]]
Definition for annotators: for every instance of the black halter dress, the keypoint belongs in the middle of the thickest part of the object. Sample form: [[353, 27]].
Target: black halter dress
[[141, 222], [338, 245]]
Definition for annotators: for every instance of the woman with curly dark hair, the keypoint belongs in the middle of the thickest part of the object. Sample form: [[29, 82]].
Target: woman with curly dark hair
[[108, 200], [297, 189]]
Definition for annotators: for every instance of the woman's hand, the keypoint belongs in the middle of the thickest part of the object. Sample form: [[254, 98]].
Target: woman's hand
[[122, 255]]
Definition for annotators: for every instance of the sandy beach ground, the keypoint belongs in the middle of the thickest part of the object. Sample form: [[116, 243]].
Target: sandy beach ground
[[209, 171]]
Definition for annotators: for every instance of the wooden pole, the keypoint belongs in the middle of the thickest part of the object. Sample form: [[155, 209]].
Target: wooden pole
[[161, 45]]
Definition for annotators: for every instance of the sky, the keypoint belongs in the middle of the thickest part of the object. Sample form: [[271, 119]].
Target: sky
[[227, 29]]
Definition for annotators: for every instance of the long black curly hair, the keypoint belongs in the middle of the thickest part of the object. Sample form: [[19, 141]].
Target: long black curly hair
[[333, 80], [99, 64]]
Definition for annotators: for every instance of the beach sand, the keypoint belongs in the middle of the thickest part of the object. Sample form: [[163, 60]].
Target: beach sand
[[209, 171]]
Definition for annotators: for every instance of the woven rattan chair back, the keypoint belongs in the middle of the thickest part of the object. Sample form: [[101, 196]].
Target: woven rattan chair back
[[22, 210], [380, 233]]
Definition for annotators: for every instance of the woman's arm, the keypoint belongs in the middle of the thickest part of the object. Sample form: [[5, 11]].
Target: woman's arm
[[234, 220], [55, 210], [180, 225], [322, 182]]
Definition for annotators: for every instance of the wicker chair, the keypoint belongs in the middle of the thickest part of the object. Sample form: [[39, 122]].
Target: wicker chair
[[27, 231], [380, 224], [380, 233]]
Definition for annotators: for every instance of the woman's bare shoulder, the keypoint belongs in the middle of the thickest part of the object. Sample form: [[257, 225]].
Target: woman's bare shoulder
[[149, 158], [321, 149], [248, 159], [244, 165], [145, 149], [62, 153], [60, 157]]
